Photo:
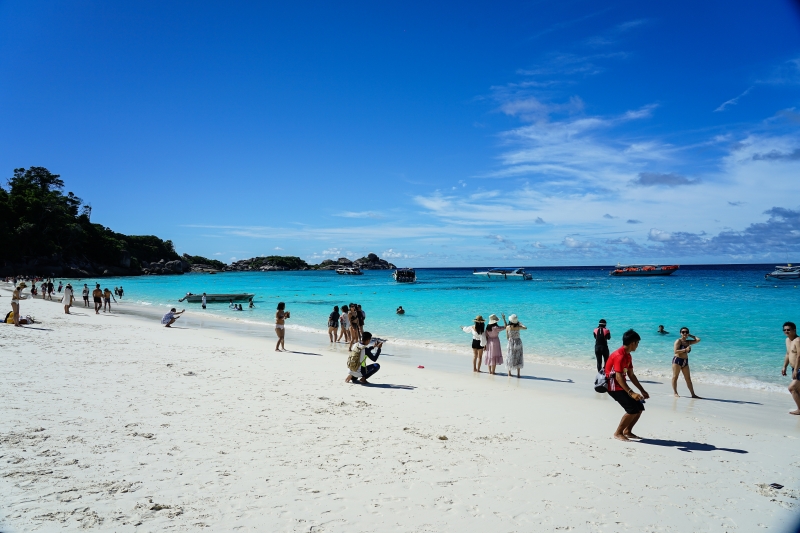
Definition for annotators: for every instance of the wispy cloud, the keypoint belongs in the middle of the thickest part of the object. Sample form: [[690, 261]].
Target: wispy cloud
[[655, 179], [732, 101]]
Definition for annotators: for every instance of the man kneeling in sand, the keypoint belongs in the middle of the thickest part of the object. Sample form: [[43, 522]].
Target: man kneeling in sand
[[171, 317], [357, 363], [792, 359], [618, 367]]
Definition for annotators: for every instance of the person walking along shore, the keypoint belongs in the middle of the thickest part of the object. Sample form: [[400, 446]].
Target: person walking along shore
[[619, 369], [680, 361], [514, 359], [478, 331], [792, 359]]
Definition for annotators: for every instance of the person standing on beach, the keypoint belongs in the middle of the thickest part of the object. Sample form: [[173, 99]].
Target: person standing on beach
[[60, 287], [121, 292], [494, 354], [333, 324], [601, 338], [344, 330], [680, 362], [202, 301], [478, 331], [280, 326], [97, 294], [792, 359], [354, 331], [67, 298], [618, 368], [15, 298], [107, 296], [85, 295], [515, 360], [50, 289]]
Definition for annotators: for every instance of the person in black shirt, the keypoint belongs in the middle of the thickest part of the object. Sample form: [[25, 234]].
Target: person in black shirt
[[333, 323], [601, 338]]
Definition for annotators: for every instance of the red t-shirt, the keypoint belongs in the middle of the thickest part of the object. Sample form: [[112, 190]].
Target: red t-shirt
[[619, 362]]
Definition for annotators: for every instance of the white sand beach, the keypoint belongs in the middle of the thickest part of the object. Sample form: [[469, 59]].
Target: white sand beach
[[115, 423]]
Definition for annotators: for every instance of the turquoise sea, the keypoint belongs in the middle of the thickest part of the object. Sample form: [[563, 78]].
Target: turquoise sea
[[732, 308]]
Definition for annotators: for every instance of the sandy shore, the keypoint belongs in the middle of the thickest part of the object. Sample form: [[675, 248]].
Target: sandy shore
[[115, 423]]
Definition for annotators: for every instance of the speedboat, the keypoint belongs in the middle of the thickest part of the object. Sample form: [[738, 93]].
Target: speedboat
[[405, 275], [787, 272], [197, 298], [644, 270], [349, 271], [505, 273]]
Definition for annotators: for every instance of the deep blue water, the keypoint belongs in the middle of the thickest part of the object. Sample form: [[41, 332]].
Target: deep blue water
[[732, 308]]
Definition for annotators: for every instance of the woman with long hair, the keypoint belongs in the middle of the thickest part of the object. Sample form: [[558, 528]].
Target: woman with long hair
[[514, 360], [280, 326], [478, 331], [15, 298], [353, 317], [494, 354], [333, 323], [680, 361], [344, 331]]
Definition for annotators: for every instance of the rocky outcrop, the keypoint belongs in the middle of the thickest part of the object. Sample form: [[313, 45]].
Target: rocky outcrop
[[330, 264], [373, 262], [166, 267]]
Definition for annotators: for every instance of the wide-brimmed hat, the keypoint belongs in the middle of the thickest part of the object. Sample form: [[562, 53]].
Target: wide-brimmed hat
[[493, 319], [513, 319], [478, 318]]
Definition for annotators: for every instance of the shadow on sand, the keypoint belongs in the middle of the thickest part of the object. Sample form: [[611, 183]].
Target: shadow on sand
[[728, 401], [689, 446], [387, 386], [651, 382], [303, 353], [544, 379], [38, 329]]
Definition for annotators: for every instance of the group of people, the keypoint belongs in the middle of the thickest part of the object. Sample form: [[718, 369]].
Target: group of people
[[346, 324], [102, 298], [486, 340]]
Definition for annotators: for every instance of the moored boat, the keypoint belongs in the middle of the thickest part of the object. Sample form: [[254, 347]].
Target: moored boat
[[349, 271], [197, 298], [505, 273], [784, 273], [644, 270], [405, 275]]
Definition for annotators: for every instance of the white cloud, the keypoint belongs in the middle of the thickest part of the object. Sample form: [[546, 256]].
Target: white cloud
[[732, 101]]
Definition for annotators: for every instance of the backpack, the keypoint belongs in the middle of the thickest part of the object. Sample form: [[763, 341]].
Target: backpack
[[354, 359], [601, 382]]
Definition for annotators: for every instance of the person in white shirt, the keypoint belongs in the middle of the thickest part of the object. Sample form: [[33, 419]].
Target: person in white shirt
[[478, 331], [67, 298]]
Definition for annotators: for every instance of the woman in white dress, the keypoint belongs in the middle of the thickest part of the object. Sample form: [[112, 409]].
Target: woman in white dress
[[514, 360], [478, 332]]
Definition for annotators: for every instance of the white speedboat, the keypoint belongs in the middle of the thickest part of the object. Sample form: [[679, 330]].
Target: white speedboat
[[238, 297], [504, 273], [787, 272], [349, 271]]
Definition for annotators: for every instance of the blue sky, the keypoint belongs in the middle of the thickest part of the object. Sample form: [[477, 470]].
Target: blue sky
[[446, 134]]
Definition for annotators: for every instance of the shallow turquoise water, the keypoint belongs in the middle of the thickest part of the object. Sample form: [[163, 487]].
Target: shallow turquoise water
[[736, 313]]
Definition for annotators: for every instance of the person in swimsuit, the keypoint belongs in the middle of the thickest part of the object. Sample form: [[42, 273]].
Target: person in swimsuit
[[97, 294], [662, 331], [15, 297], [121, 292], [680, 362], [333, 324], [354, 330], [107, 297], [280, 326], [344, 331], [792, 359]]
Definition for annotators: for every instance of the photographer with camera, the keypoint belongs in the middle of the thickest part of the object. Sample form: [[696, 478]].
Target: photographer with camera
[[357, 361]]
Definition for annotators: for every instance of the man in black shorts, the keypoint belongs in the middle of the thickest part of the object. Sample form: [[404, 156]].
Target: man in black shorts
[[601, 338], [618, 368], [97, 294], [85, 295]]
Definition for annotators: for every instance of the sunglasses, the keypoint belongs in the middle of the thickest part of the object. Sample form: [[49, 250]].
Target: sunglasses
[[787, 329]]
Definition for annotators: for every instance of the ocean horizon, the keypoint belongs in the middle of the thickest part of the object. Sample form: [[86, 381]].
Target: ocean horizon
[[732, 308]]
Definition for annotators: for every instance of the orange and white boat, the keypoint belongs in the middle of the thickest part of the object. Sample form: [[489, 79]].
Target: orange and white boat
[[644, 270]]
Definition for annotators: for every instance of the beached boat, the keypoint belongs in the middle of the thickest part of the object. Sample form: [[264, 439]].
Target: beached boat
[[784, 273], [197, 298], [405, 275], [644, 270], [349, 271], [504, 273]]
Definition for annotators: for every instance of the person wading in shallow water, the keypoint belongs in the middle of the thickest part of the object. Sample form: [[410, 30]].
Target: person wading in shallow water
[[618, 368]]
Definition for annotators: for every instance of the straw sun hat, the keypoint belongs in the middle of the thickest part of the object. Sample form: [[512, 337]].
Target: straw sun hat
[[478, 318], [513, 319], [493, 319]]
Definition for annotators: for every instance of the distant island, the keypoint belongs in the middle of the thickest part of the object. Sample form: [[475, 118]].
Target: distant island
[[44, 232]]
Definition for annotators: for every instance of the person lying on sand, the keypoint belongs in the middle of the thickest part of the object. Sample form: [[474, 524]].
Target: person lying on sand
[[171, 317]]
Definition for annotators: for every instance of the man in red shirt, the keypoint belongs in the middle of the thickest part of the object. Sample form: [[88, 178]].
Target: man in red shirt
[[618, 368]]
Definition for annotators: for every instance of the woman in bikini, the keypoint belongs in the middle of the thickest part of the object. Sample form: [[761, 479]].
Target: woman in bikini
[[280, 326], [354, 330], [15, 297], [680, 362]]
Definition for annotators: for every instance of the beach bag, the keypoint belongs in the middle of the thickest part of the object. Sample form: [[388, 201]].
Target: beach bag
[[354, 359], [601, 382]]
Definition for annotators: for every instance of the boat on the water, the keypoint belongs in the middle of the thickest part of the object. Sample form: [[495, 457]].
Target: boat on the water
[[197, 298], [405, 275], [349, 271], [784, 273], [644, 270], [505, 273]]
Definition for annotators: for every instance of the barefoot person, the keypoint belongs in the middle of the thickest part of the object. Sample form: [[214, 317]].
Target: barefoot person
[[85, 295], [618, 368], [363, 370], [344, 331], [478, 331], [97, 294], [680, 362], [280, 326], [792, 359], [67, 298], [514, 360], [107, 297], [15, 298], [494, 354], [333, 324], [171, 317], [601, 338]]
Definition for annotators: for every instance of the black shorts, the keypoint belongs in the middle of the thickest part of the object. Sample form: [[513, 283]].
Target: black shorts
[[98, 300], [601, 351], [476, 344], [631, 406]]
